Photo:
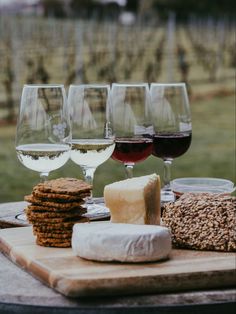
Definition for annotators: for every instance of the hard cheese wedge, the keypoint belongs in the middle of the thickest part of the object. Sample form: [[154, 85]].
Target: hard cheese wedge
[[106, 241], [135, 201]]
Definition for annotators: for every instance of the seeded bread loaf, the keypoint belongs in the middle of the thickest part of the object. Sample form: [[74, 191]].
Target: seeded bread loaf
[[202, 221]]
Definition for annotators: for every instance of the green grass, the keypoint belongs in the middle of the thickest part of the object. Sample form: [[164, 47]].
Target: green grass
[[212, 153]]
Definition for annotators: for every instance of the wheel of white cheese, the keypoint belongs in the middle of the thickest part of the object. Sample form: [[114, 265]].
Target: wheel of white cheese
[[106, 241]]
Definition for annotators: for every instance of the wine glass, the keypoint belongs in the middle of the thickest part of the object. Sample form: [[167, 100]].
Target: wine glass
[[131, 123], [43, 128], [171, 118], [92, 137]]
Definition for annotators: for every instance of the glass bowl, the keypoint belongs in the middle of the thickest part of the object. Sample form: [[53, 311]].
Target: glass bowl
[[201, 185]]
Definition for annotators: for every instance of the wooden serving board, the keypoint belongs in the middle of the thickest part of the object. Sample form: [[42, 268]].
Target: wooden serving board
[[73, 276]]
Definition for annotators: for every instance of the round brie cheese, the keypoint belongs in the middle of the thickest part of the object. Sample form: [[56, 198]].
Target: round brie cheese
[[106, 241]]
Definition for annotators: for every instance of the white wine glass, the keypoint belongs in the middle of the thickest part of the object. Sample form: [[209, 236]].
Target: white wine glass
[[92, 137], [43, 129], [171, 117], [131, 123]]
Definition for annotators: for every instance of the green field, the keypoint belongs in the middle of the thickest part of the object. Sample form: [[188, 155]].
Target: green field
[[212, 153]]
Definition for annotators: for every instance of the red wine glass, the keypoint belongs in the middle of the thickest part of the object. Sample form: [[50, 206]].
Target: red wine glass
[[171, 118], [131, 124]]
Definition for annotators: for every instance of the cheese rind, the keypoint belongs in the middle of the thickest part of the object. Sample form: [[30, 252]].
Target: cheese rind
[[105, 241], [135, 200]]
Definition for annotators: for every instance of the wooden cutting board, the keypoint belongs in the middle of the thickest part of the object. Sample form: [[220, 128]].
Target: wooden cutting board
[[73, 276]]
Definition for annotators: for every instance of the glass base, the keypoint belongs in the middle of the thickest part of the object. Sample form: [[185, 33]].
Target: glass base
[[98, 200], [96, 209], [167, 196]]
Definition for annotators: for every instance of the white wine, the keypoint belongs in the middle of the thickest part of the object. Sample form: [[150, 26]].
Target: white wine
[[91, 152], [43, 157]]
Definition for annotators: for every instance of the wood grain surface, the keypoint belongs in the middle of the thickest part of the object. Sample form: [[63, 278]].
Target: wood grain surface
[[73, 276]]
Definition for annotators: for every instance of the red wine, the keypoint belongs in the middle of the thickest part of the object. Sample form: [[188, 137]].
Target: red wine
[[132, 150], [171, 145]]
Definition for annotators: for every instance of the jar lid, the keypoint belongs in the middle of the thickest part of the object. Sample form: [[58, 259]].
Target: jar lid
[[201, 185]]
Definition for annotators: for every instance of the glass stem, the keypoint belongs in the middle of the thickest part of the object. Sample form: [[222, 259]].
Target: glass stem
[[43, 176], [129, 170], [88, 176], [167, 174]]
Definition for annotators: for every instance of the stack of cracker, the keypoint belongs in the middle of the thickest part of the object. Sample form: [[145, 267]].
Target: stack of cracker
[[55, 206]]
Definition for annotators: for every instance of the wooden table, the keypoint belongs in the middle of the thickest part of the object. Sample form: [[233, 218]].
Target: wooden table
[[22, 293]]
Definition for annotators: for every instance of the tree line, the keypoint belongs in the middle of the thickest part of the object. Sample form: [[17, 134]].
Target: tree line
[[160, 8]]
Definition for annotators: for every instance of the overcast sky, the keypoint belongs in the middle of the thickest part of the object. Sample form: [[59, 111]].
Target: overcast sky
[[5, 2]]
